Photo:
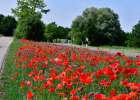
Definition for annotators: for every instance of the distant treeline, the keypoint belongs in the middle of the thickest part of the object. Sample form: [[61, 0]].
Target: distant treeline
[[101, 26], [7, 25]]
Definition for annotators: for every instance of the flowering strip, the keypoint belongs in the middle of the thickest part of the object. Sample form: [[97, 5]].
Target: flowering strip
[[47, 71]]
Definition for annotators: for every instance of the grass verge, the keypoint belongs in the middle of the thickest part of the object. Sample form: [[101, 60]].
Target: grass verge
[[118, 48], [6, 84], [1, 35]]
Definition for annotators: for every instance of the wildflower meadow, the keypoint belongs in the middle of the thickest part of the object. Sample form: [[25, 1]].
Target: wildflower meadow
[[49, 71]]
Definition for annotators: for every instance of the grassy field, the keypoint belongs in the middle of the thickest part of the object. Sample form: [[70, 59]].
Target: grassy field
[[45, 71], [7, 86], [118, 48], [1, 35]]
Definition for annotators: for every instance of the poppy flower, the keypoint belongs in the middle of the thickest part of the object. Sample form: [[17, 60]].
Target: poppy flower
[[113, 93], [73, 92], [115, 65], [51, 89], [74, 98], [99, 96], [59, 87], [124, 83], [123, 96], [22, 84], [29, 95]]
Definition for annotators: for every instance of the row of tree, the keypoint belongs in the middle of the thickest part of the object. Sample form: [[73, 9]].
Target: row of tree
[[7, 25], [52, 31], [100, 26]]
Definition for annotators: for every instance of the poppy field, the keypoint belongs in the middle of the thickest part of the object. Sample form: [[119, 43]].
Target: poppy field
[[48, 71]]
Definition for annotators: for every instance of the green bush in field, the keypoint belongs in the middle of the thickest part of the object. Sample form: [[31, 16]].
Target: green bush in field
[[31, 28], [78, 41]]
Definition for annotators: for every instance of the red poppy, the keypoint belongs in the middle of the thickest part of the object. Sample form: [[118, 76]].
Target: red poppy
[[29, 95], [73, 92], [124, 83], [113, 93], [115, 65], [99, 96], [59, 87], [113, 98], [74, 98], [51, 89], [113, 77], [22, 84], [36, 78], [123, 96]]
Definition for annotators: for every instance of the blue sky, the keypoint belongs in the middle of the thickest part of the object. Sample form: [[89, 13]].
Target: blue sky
[[63, 12]]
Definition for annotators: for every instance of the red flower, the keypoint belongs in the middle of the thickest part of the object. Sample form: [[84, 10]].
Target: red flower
[[29, 95], [75, 98], [115, 65], [22, 84], [113, 77], [29, 83], [123, 96], [99, 97], [36, 78], [59, 87], [113, 98], [51, 89], [118, 54], [124, 83], [73, 92], [137, 63], [113, 93]]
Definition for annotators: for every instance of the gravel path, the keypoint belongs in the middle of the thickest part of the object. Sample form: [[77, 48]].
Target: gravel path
[[129, 54], [4, 46]]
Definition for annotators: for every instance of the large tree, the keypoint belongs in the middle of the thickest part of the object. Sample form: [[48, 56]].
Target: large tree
[[29, 14], [101, 26], [134, 37], [7, 25]]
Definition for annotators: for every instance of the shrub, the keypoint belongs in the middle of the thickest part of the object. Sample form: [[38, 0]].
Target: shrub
[[30, 28], [78, 41]]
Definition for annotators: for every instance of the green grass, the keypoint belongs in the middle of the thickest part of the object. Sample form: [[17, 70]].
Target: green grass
[[118, 48], [122, 48], [8, 85], [1, 35]]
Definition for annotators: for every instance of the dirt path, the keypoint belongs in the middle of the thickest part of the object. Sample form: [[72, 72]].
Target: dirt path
[[129, 54], [4, 45]]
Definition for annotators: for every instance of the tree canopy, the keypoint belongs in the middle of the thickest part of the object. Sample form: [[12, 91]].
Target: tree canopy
[[101, 26], [29, 8], [29, 14], [7, 25], [52, 31]]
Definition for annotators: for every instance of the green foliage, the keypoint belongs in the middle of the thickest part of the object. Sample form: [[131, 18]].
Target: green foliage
[[29, 8], [30, 28], [29, 13], [52, 31], [78, 41], [101, 26], [134, 37], [7, 25]]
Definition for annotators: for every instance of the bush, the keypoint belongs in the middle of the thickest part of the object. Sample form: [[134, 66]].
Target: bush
[[30, 28], [78, 41]]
